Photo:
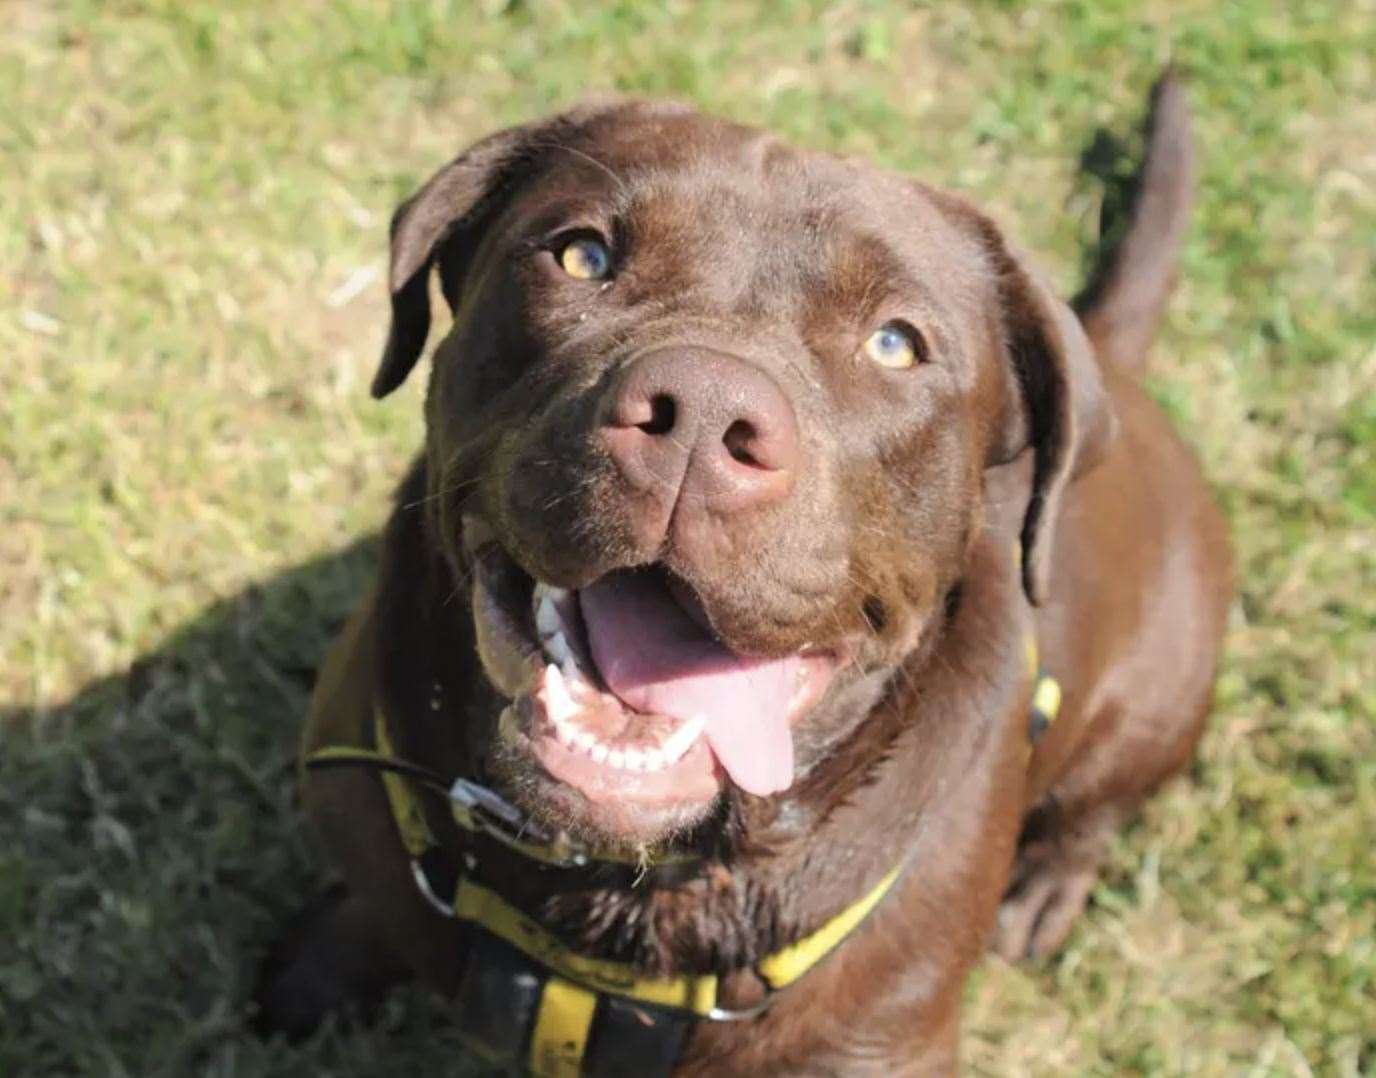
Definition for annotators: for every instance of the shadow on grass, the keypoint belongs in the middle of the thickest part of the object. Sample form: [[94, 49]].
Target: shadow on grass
[[1108, 162], [150, 848]]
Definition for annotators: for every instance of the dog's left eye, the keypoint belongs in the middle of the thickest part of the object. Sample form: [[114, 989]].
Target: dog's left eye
[[586, 258], [895, 345]]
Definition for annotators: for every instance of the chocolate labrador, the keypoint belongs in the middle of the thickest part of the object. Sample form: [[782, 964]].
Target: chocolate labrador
[[771, 508]]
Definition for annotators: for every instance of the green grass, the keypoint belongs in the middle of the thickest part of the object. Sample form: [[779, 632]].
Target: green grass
[[192, 221]]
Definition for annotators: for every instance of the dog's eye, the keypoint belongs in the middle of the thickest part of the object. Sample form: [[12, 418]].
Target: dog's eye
[[586, 258], [895, 345]]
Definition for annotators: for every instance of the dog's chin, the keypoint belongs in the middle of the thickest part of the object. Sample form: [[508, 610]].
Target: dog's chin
[[628, 719]]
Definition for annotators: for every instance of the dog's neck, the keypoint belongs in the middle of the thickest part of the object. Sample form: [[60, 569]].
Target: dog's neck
[[897, 790]]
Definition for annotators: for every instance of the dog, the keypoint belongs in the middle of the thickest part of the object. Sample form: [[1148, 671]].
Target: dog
[[792, 597]]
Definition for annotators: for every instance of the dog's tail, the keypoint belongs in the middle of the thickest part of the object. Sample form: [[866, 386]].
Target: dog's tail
[[1122, 303]]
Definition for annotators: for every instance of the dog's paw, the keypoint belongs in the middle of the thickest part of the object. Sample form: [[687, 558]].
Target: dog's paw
[[302, 979], [1040, 909]]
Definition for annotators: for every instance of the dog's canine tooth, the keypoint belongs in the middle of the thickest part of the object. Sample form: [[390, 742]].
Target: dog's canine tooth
[[558, 702], [599, 753], [572, 675], [679, 742], [557, 648], [547, 620]]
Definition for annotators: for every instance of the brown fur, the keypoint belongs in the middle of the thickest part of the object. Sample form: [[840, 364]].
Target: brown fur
[[912, 492]]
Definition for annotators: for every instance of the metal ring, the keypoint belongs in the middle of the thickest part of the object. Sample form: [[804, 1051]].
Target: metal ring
[[726, 1014], [423, 883]]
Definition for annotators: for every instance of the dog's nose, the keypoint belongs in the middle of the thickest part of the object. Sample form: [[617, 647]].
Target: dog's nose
[[693, 424]]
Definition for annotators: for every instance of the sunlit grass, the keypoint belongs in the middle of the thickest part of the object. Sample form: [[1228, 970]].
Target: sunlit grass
[[192, 224]]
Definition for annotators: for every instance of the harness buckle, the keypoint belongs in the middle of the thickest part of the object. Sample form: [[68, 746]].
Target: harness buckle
[[468, 793], [500, 819]]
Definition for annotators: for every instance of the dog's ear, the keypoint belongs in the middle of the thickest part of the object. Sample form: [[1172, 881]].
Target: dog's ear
[[1054, 399], [448, 210]]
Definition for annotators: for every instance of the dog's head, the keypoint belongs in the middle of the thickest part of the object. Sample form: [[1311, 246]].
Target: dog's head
[[709, 434]]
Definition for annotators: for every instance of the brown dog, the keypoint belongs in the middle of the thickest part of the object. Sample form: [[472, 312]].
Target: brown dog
[[754, 480]]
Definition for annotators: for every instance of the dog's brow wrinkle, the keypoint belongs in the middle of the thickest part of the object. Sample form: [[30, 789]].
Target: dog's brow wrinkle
[[553, 144]]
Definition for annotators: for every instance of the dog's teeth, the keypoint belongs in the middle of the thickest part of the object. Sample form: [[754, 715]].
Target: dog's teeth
[[616, 758], [547, 621], [634, 761], [599, 753], [654, 760], [681, 740], [584, 740], [558, 702], [565, 733], [557, 648]]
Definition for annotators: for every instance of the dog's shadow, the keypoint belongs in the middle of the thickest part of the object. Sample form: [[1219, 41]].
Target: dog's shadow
[[1108, 168], [151, 849]]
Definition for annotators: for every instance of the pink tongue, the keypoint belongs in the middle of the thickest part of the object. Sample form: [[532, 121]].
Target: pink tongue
[[657, 660]]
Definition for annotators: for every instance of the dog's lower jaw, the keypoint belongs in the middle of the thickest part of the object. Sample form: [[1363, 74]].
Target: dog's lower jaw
[[636, 830]]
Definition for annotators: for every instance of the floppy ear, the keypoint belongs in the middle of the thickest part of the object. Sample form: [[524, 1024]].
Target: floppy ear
[[1054, 400], [443, 221], [449, 209]]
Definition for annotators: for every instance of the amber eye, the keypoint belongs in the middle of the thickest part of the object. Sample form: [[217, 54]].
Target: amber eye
[[586, 258], [895, 345]]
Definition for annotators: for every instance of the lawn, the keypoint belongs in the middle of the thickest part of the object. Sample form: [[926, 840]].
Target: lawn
[[193, 212]]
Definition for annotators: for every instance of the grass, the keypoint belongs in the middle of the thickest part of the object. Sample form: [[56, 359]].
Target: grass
[[192, 221]]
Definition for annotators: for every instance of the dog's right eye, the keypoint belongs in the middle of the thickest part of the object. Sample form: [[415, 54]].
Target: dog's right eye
[[586, 258], [895, 345]]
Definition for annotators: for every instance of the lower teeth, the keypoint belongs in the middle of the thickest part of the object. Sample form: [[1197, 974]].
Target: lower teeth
[[564, 677], [561, 708]]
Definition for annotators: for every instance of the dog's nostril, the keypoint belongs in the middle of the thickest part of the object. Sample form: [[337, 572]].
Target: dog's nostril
[[703, 423], [663, 412], [739, 438]]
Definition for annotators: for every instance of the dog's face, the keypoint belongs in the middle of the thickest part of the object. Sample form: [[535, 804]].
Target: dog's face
[[708, 435]]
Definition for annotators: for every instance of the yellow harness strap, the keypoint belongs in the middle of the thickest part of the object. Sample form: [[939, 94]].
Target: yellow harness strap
[[559, 1040], [570, 999], [784, 967], [406, 807], [489, 910], [1046, 697]]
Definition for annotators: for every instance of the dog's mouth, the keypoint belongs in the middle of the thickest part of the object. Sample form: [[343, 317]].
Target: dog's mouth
[[622, 692]]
